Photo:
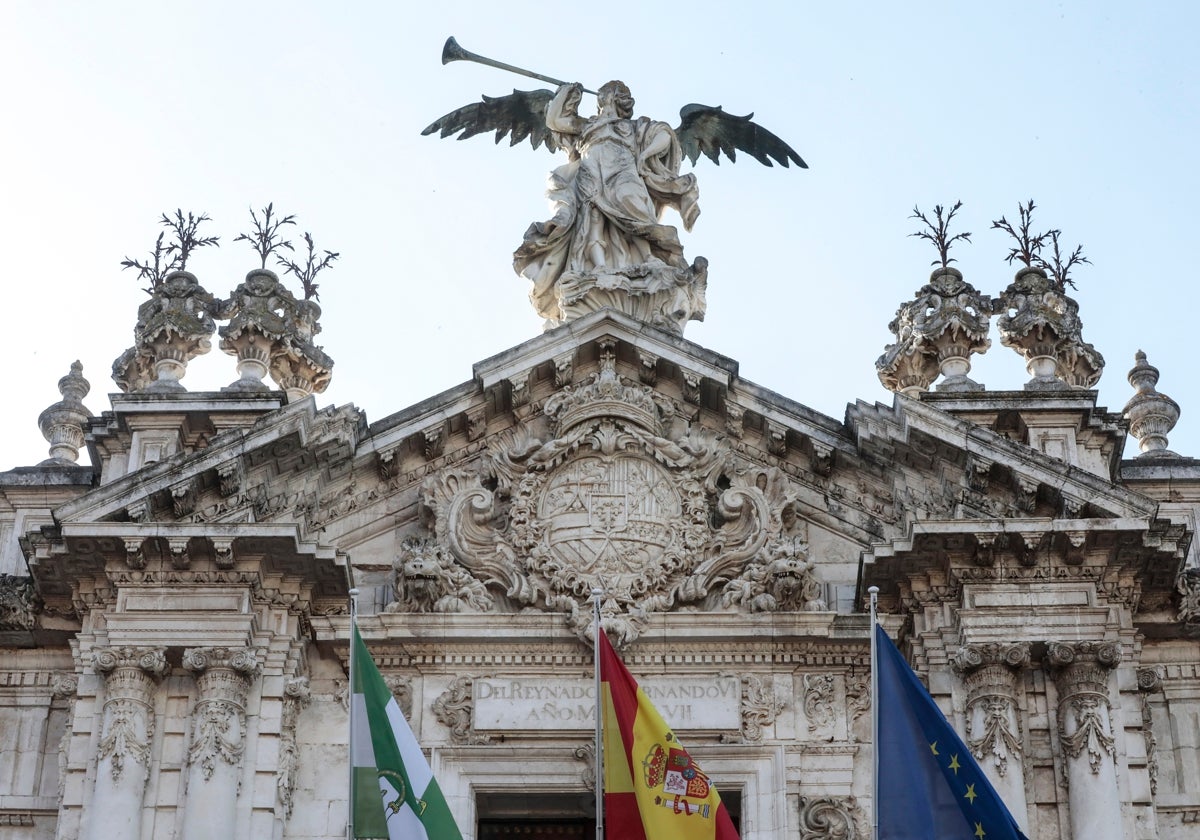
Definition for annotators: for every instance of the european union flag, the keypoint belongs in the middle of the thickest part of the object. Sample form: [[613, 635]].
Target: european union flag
[[930, 788]]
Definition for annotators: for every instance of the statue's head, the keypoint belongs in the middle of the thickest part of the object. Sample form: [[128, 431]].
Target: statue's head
[[621, 98]]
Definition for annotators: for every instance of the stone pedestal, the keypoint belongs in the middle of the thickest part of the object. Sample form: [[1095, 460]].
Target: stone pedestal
[[223, 678], [1085, 733], [126, 739]]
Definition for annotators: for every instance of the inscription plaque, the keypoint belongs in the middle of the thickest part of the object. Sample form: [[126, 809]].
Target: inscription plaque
[[537, 703]]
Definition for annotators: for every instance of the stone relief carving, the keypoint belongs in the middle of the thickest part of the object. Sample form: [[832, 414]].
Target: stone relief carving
[[587, 753], [832, 818], [64, 686], [429, 580], [219, 718], [818, 702], [613, 496], [17, 598], [296, 695], [455, 708], [858, 700], [778, 577], [402, 690], [760, 708], [1150, 681], [1188, 587]]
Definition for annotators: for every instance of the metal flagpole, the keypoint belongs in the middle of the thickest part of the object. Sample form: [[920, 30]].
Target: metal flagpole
[[597, 630], [350, 698], [874, 594]]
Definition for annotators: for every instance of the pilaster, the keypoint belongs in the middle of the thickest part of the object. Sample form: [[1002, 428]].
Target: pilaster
[[124, 753], [1086, 735]]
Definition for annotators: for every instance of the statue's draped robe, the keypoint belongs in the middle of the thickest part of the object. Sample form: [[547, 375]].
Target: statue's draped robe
[[629, 189]]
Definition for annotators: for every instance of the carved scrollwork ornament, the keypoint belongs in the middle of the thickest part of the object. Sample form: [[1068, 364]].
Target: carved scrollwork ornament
[[818, 701], [455, 707], [587, 754], [760, 708], [296, 693], [832, 818]]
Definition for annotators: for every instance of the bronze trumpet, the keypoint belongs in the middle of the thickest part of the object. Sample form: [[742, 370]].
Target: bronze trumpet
[[453, 52]]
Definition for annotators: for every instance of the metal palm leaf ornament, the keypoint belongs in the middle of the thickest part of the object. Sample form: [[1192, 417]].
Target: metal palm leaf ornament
[[604, 244]]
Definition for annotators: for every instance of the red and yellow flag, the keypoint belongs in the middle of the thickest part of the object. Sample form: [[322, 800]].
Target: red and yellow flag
[[652, 788]]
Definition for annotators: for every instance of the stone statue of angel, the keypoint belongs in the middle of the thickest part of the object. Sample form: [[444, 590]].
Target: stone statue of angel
[[605, 245]]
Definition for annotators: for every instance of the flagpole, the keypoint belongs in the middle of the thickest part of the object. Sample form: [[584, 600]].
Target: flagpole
[[350, 704], [874, 594], [597, 630]]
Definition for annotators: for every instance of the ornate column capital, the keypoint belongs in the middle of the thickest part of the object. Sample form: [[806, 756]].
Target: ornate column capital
[[130, 677], [223, 677], [1082, 667], [1080, 671], [988, 672]]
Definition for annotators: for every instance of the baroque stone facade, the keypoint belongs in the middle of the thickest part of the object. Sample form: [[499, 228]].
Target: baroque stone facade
[[175, 616]]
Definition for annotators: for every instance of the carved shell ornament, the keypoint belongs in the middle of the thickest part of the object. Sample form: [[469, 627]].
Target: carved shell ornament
[[612, 499]]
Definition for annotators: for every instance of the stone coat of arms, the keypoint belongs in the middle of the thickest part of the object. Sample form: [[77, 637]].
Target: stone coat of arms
[[621, 496]]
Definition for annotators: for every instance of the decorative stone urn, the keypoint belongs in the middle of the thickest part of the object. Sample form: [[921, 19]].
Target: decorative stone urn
[[1151, 415], [258, 327], [63, 423], [1039, 321], [302, 368], [936, 333], [173, 327]]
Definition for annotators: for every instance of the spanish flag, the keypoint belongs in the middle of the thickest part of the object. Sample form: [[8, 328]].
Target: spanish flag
[[652, 788]]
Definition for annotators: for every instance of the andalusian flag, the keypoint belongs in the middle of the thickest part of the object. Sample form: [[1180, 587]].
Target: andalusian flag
[[652, 788], [394, 793]]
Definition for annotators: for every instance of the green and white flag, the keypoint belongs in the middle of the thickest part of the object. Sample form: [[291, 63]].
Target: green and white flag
[[394, 795]]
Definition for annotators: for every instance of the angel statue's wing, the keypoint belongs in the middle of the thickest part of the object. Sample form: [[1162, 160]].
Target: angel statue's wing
[[712, 131], [523, 114]]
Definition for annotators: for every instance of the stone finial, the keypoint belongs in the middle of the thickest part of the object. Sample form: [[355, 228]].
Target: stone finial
[[1041, 322], [63, 423], [172, 328], [937, 332], [1151, 415]]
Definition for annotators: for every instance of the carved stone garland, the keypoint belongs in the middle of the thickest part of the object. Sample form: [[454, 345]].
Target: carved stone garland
[[608, 499]]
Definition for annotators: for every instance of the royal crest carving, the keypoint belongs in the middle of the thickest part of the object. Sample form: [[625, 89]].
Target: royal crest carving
[[610, 488]]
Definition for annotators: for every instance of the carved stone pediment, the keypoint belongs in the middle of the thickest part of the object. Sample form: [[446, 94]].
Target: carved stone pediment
[[619, 494]]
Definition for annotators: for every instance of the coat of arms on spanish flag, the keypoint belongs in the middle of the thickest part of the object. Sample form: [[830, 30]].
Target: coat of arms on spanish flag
[[653, 790]]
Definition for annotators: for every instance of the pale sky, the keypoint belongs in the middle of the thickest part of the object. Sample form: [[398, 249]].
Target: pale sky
[[115, 112]]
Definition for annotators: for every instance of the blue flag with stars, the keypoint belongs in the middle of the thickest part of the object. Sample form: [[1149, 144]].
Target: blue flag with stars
[[930, 787]]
